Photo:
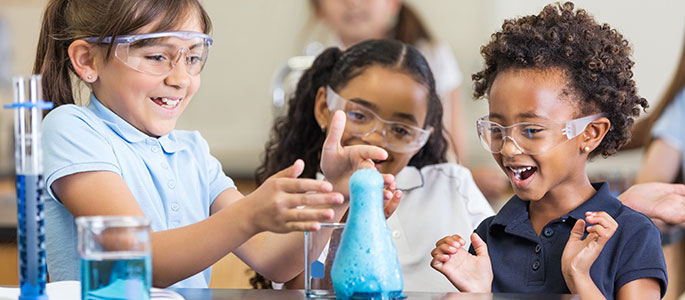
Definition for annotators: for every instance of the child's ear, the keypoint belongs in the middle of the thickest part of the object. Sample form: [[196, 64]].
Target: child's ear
[[82, 58], [321, 112], [594, 134]]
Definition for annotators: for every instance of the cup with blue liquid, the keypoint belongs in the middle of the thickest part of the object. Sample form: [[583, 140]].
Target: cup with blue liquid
[[114, 257]]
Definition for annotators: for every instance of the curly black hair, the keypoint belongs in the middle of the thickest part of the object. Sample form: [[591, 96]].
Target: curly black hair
[[594, 57], [297, 134]]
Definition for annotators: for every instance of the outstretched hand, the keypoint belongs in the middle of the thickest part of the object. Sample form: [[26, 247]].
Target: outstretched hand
[[658, 200], [338, 162], [468, 272], [579, 254], [278, 202]]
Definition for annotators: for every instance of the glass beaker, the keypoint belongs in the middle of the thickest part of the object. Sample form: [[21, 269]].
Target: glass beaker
[[319, 259], [114, 257]]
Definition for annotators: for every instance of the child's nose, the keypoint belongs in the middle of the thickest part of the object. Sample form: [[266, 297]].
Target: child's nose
[[179, 76], [375, 137], [510, 148]]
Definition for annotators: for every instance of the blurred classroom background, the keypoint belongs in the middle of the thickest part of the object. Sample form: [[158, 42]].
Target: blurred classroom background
[[253, 39]]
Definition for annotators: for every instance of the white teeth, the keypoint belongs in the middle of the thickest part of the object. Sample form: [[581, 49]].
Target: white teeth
[[520, 170], [169, 103]]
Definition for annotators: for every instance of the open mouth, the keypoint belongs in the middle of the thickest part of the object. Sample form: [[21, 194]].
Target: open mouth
[[168, 103], [522, 175]]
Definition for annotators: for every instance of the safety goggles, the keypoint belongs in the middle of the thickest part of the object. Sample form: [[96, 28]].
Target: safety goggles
[[158, 53], [531, 138], [361, 122]]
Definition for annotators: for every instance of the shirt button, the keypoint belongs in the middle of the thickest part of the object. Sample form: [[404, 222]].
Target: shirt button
[[396, 234], [175, 223], [171, 184], [154, 149], [174, 206], [164, 166], [548, 232], [538, 248], [536, 265]]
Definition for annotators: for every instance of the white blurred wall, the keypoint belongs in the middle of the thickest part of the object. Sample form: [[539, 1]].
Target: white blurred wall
[[253, 38]]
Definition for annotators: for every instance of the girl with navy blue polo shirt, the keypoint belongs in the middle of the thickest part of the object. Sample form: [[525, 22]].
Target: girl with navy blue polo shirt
[[560, 91], [120, 155]]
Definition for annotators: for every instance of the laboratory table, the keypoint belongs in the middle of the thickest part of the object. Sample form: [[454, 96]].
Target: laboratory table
[[230, 294]]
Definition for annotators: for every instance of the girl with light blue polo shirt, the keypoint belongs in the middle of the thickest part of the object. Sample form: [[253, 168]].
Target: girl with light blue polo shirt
[[120, 155]]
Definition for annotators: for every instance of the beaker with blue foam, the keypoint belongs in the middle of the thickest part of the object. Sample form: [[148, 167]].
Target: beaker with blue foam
[[366, 264], [28, 109]]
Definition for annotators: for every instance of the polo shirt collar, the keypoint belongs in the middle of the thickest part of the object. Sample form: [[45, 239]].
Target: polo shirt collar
[[409, 178], [127, 131], [515, 211]]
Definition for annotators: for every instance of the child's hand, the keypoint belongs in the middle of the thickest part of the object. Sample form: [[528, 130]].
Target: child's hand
[[391, 200], [659, 200], [579, 254], [338, 162], [468, 273], [277, 200]]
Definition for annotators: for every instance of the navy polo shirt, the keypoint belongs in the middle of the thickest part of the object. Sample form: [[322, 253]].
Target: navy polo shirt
[[523, 262]]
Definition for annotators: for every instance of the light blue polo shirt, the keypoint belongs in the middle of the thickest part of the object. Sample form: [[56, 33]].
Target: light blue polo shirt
[[174, 178], [671, 126]]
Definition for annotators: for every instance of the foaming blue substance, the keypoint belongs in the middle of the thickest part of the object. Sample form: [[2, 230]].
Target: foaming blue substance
[[366, 264]]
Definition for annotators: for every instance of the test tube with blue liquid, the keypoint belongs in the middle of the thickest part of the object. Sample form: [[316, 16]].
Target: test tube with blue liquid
[[28, 108]]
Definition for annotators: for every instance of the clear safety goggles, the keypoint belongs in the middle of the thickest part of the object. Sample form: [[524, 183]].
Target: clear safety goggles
[[158, 53], [361, 122], [531, 138]]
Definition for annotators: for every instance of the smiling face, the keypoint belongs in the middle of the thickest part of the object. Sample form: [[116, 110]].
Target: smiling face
[[151, 103], [537, 96], [390, 94]]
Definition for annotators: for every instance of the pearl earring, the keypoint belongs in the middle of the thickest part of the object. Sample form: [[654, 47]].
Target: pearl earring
[[89, 77], [586, 149]]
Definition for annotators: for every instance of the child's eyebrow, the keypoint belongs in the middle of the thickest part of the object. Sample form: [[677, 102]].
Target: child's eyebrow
[[405, 116], [525, 115]]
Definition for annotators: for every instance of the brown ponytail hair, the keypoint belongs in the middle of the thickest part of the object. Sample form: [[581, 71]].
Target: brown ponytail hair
[[65, 21], [409, 29]]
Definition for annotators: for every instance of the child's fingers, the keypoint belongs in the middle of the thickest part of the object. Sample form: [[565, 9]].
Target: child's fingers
[[577, 231], [303, 226], [303, 185], [454, 240], [444, 249], [313, 199], [367, 152], [366, 164], [293, 216], [602, 218], [335, 132], [438, 261], [479, 245], [391, 205], [603, 233], [389, 181], [294, 171]]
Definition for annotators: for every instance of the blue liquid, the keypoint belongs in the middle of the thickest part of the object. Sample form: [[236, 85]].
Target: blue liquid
[[366, 264], [31, 237], [116, 278]]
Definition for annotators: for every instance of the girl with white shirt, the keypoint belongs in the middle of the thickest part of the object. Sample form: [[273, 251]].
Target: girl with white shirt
[[387, 91]]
